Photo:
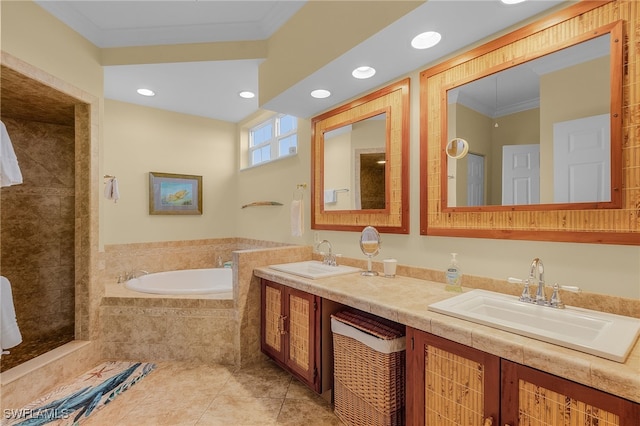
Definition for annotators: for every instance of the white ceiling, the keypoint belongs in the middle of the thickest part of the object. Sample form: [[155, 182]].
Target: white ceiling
[[210, 89]]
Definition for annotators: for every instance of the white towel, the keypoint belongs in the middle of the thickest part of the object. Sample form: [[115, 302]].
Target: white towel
[[9, 332], [10, 173], [330, 196], [297, 218], [111, 190]]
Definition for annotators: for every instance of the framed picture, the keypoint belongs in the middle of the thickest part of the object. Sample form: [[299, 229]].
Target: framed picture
[[174, 194]]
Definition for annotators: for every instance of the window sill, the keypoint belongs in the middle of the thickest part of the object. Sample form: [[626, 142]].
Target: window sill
[[264, 163]]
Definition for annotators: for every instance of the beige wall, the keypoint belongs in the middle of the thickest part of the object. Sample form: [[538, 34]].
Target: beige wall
[[320, 32], [33, 35], [598, 268], [139, 140]]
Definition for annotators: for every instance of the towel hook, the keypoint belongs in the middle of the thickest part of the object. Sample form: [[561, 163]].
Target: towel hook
[[299, 190]]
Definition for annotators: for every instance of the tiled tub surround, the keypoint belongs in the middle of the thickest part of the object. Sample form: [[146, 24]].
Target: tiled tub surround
[[405, 300], [188, 327]]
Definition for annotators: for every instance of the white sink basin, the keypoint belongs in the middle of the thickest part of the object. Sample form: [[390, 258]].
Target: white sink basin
[[597, 333], [314, 269]]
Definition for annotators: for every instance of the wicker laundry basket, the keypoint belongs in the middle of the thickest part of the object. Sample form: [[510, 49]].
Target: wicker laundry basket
[[369, 369]]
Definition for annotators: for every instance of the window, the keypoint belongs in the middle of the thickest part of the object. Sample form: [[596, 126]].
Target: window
[[273, 139]]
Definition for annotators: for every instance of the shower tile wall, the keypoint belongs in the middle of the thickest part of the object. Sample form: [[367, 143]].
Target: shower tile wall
[[37, 237]]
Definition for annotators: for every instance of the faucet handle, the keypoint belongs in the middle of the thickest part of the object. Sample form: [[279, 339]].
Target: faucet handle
[[525, 296], [555, 301], [571, 288]]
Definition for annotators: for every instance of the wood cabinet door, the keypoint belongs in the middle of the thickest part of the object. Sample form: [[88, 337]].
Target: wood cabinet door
[[449, 384], [302, 322], [535, 398], [290, 330], [272, 323]]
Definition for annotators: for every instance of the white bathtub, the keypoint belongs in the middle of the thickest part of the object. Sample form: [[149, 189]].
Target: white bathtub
[[188, 281]]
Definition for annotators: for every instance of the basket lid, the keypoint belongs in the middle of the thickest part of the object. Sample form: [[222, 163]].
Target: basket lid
[[382, 328]]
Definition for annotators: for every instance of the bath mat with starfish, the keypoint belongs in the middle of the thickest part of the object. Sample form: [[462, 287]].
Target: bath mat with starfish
[[69, 405]]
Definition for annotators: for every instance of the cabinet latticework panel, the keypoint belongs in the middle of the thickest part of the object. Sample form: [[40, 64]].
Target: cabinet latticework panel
[[538, 406], [273, 309], [299, 331], [454, 389]]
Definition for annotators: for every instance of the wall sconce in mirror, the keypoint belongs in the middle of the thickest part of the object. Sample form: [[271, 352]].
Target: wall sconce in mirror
[[360, 163], [457, 148]]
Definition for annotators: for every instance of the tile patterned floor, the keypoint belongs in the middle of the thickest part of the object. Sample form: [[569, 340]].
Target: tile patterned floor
[[177, 394]]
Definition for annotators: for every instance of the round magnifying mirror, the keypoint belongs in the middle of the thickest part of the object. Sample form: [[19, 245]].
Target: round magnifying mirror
[[370, 246], [457, 148]]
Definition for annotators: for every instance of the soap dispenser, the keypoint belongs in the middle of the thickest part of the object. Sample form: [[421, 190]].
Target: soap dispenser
[[453, 275]]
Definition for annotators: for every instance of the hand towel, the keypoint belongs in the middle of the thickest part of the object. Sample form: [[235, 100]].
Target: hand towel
[[111, 190], [330, 196], [9, 332], [297, 218], [10, 173]]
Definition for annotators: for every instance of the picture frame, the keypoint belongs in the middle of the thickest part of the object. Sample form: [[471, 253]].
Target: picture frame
[[175, 194]]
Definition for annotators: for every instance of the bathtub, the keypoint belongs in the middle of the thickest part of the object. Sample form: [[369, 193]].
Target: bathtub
[[188, 281]]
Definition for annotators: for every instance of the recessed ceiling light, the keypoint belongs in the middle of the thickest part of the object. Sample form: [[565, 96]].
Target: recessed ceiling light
[[426, 40], [320, 93], [512, 1], [364, 72], [247, 94], [146, 92]]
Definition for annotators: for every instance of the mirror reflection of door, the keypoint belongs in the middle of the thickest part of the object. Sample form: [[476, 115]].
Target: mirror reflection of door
[[527, 101], [581, 160], [371, 180], [521, 174], [475, 180]]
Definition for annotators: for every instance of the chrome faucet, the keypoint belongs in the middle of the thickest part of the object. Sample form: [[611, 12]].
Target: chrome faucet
[[536, 272], [537, 269], [327, 258]]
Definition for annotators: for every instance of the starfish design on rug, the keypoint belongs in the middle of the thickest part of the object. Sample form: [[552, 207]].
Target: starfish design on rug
[[72, 404], [98, 373]]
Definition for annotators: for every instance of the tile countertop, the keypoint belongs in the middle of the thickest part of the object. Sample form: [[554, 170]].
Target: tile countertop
[[405, 300]]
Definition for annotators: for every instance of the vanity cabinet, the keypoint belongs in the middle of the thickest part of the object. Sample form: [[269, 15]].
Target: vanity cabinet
[[452, 384], [290, 330], [449, 383], [533, 397], [295, 331]]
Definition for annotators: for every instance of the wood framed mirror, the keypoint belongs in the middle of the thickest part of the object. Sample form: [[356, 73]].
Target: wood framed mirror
[[360, 163], [447, 210]]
